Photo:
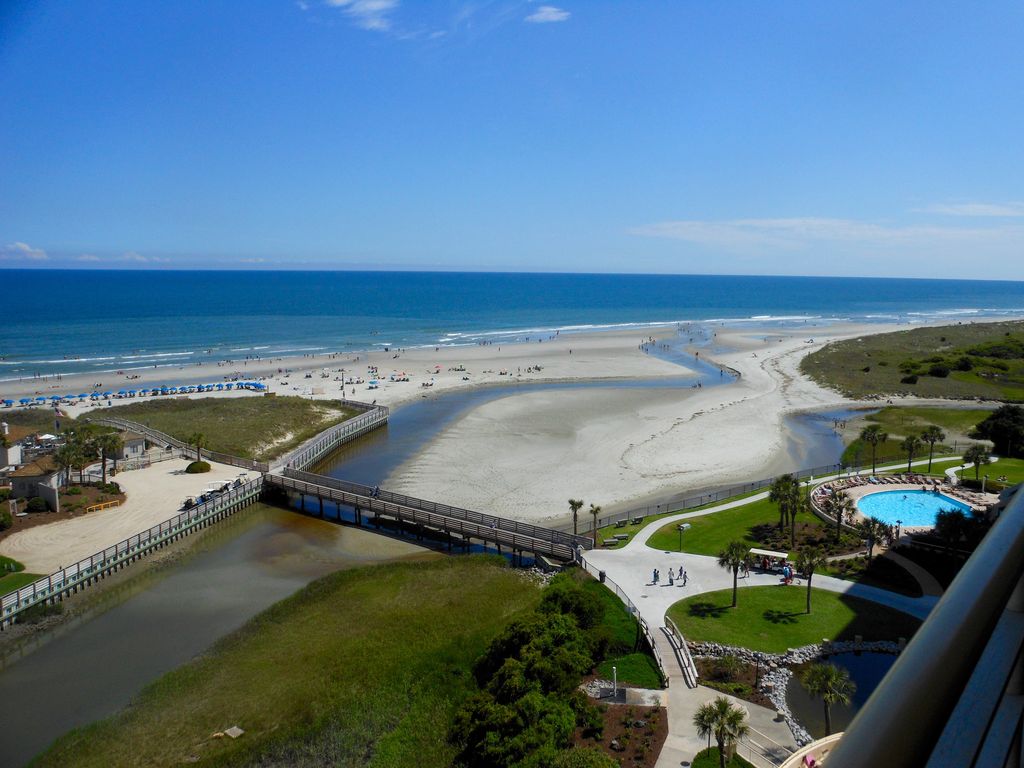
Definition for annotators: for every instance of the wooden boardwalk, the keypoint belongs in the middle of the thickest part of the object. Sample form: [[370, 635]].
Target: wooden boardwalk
[[516, 537]]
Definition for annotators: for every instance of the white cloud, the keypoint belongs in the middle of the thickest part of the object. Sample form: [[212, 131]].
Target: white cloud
[[368, 14], [88, 257], [798, 233], [138, 258], [1006, 210], [547, 14], [22, 252]]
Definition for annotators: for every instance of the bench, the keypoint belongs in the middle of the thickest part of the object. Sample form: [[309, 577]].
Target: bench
[[621, 524], [637, 521]]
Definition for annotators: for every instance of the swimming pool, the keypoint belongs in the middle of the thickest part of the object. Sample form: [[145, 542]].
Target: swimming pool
[[912, 508]]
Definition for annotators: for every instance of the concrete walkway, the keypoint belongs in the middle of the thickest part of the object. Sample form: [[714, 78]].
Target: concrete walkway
[[929, 584]]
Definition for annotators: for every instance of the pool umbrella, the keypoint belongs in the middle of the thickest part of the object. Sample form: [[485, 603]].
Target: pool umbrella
[[25, 400]]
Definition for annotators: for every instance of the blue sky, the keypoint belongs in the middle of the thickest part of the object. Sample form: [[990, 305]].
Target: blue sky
[[691, 136]]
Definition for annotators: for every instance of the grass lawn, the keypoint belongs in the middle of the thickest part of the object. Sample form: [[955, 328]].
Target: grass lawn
[[1012, 468], [610, 531], [363, 667], [636, 669], [14, 576], [772, 618], [902, 421], [251, 427], [873, 365]]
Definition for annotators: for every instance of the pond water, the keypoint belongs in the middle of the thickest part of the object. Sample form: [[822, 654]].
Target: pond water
[[866, 670]]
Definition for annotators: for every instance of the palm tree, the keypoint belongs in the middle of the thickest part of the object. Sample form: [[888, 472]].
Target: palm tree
[[979, 456], [807, 562], [873, 436], [575, 505], [832, 685], [840, 507], [725, 720], [801, 503], [67, 457], [784, 491], [911, 444], [109, 444], [732, 558], [932, 435], [198, 439], [873, 529], [594, 511]]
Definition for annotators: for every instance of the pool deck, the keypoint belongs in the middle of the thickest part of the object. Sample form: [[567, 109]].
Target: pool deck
[[973, 499]]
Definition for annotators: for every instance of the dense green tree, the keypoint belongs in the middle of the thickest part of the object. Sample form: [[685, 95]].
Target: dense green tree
[[584, 757], [1005, 429], [873, 530], [109, 444], [951, 525]]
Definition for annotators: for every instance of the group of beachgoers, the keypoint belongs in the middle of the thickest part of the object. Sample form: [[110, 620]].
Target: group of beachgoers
[[682, 577]]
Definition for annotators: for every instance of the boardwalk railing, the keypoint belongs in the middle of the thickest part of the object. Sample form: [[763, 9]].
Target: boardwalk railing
[[309, 453], [155, 435], [480, 518], [682, 503], [469, 529], [683, 652], [634, 611], [89, 569]]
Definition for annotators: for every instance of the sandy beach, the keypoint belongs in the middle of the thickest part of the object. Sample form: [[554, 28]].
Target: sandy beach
[[525, 454], [611, 447]]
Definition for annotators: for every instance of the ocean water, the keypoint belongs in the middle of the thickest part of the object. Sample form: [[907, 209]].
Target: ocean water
[[100, 321]]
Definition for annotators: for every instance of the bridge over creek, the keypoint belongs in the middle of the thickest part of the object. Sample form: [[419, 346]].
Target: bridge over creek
[[372, 504]]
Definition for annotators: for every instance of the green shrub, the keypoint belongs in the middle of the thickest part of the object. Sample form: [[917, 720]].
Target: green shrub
[[911, 379], [73, 491], [6, 521], [197, 467], [37, 504], [939, 370], [40, 611], [5, 494], [964, 364]]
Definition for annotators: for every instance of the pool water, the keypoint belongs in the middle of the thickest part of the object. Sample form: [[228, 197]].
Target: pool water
[[911, 508]]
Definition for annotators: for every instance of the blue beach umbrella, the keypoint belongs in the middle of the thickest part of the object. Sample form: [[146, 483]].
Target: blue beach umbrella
[[8, 402], [25, 400], [83, 395], [40, 399], [121, 392], [107, 394]]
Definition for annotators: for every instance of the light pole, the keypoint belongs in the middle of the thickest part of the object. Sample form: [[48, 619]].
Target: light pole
[[984, 480], [615, 682], [899, 524], [682, 527]]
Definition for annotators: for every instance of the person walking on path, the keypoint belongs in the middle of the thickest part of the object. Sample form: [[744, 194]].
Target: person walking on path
[[686, 578]]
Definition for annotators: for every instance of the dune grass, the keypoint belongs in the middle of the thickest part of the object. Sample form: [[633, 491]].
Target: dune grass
[[773, 618], [363, 667], [251, 427], [873, 365]]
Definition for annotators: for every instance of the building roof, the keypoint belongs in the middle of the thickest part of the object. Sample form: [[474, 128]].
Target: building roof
[[43, 466], [128, 436]]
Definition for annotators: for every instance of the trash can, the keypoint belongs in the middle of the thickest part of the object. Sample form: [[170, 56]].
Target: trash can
[[600, 576]]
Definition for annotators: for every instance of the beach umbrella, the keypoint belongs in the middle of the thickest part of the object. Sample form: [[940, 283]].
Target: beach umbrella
[[8, 402], [25, 400], [131, 392], [40, 399], [229, 386], [220, 387], [83, 395], [55, 397], [107, 394], [121, 392]]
